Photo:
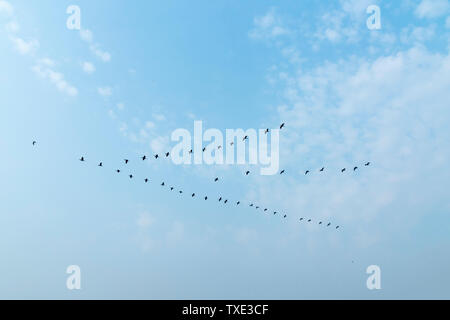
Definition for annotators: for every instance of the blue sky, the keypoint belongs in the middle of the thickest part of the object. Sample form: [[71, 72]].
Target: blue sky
[[138, 71]]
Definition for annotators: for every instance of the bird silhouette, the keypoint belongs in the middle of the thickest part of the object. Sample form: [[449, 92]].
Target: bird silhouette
[[156, 156], [231, 143], [226, 201], [34, 143], [180, 192], [257, 207], [131, 176], [171, 188], [329, 224], [238, 203], [320, 222], [307, 171], [220, 199], [343, 170], [285, 216], [355, 168], [163, 184], [118, 171], [204, 149], [216, 179], [282, 171], [100, 164], [267, 131], [337, 227], [190, 151], [321, 170], [206, 198], [193, 195], [82, 159], [309, 220], [282, 126], [367, 164], [126, 161], [251, 205], [274, 213], [247, 173], [144, 158], [245, 138], [146, 180], [219, 147], [301, 219], [167, 154], [265, 209]]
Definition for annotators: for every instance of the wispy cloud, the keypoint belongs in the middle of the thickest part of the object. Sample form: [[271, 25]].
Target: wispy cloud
[[432, 8], [87, 36], [44, 69], [105, 91], [88, 67]]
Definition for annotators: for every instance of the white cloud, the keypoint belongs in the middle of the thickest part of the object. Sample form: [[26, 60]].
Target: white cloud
[[432, 8], [103, 55], [105, 91], [44, 69], [6, 8], [159, 117], [88, 67], [120, 106], [268, 26], [25, 47], [86, 35], [12, 27], [159, 144], [392, 111]]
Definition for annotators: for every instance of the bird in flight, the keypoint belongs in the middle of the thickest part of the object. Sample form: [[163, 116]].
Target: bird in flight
[[265, 209], [307, 171], [220, 199], [180, 192], [118, 171], [231, 143], [285, 216], [245, 138], [337, 227], [171, 188], [282, 126], [163, 184], [282, 171], [100, 164], [301, 219], [238, 203], [320, 222], [144, 158], [274, 213], [206, 198], [82, 159], [247, 173], [131, 176], [257, 208], [329, 224], [226, 200], [126, 161], [204, 149], [355, 168], [167, 154], [156, 156], [309, 220], [343, 170], [146, 180], [219, 147], [267, 131], [193, 195], [34, 143], [190, 151], [367, 164], [251, 205], [216, 179], [321, 170]]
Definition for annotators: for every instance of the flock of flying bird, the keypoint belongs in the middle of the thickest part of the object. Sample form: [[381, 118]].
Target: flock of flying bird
[[222, 199]]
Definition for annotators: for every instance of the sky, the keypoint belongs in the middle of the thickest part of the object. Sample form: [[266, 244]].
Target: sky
[[138, 70]]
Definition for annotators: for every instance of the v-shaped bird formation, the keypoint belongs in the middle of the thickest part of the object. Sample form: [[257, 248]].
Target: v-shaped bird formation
[[222, 199]]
